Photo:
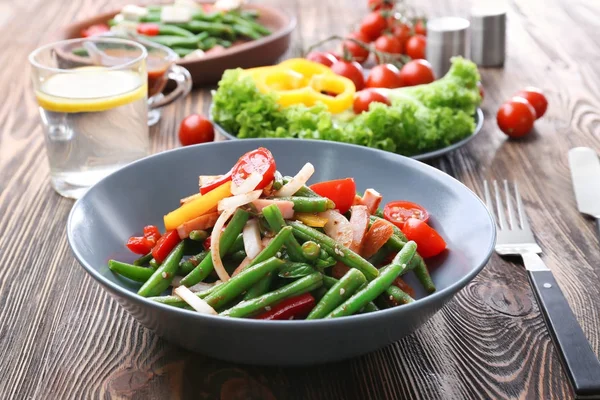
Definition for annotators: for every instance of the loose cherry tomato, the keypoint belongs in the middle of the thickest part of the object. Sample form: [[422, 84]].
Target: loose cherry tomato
[[481, 91], [139, 245], [322, 57], [366, 97], [373, 25], [148, 29], [429, 242], [196, 129], [420, 28], [402, 33], [536, 98], [397, 212], [388, 44], [340, 191], [260, 161], [384, 76], [357, 52], [351, 70], [165, 244], [376, 5], [416, 72], [516, 117], [94, 30], [415, 47]]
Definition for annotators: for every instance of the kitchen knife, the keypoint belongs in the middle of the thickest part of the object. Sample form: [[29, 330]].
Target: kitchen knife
[[585, 171]]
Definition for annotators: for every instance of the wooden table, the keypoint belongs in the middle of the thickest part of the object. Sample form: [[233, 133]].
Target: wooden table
[[62, 336]]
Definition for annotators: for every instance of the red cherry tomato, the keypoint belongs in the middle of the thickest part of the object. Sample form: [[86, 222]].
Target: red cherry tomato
[[366, 97], [260, 161], [94, 30], [384, 76], [376, 5], [416, 72], [398, 212], [429, 242], [340, 191], [373, 25], [356, 51], [196, 129], [516, 117], [415, 47], [322, 57], [536, 98], [481, 91], [420, 28], [148, 29], [388, 44], [351, 70], [402, 33]]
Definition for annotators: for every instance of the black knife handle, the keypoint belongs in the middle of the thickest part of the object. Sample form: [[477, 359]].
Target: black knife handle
[[582, 365]]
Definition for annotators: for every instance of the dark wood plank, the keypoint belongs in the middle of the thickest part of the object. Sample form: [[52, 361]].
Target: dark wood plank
[[63, 337]]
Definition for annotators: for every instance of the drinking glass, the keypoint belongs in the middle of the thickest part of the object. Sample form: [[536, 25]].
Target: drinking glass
[[92, 96]]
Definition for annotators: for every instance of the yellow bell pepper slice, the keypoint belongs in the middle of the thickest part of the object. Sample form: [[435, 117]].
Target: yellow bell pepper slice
[[197, 207], [312, 220], [305, 67]]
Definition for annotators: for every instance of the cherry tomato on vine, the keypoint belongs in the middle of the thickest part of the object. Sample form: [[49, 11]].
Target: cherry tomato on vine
[[196, 129], [536, 98], [402, 33], [388, 44], [516, 117], [384, 76], [415, 47], [321, 57], [357, 52], [420, 28], [416, 72], [376, 5], [373, 25], [351, 70], [364, 98]]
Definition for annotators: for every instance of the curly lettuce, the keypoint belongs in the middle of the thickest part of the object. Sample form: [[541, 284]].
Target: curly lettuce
[[421, 118]]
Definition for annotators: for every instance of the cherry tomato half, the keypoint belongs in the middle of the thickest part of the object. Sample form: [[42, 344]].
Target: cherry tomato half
[[94, 30], [373, 25], [321, 57], [261, 161], [384, 76], [429, 242], [416, 72], [351, 70], [340, 191], [196, 129], [516, 117], [364, 98], [357, 52], [148, 29], [398, 212], [415, 47], [536, 98]]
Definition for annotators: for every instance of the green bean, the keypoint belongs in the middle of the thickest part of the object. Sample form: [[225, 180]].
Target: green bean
[[311, 250], [228, 237], [237, 20], [340, 292], [143, 260], [335, 250], [379, 213], [249, 14], [243, 30], [310, 204], [162, 277], [176, 301], [192, 247], [198, 235], [224, 43], [329, 281], [295, 270], [174, 41], [241, 282], [304, 191], [424, 278], [187, 266], [237, 245], [370, 307], [214, 28], [151, 17], [259, 288], [133, 272], [154, 264], [378, 285], [319, 293], [277, 180], [172, 30], [157, 9], [380, 256], [301, 286], [398, 295], [238, 256], [207, 17], [207, 44], [80, 51], [276, 222], [202, 36]]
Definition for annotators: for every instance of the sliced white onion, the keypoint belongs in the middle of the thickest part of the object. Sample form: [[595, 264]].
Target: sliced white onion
[[297, 181], [338, 227], [205, 179], [194, 301], [239, 200], [251, 236], [286, 207], [245, 262], [215, 243], [202, 286], [249, 184]]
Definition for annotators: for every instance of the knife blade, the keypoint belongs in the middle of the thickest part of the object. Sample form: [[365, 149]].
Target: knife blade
[[585, 171]]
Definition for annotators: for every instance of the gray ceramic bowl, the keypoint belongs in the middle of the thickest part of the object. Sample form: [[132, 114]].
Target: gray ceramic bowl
[[121, 204]]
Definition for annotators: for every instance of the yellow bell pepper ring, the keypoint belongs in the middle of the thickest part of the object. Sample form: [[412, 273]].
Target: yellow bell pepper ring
[[305, 67]]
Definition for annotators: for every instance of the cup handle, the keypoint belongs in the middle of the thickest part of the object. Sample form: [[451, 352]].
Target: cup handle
[[184, 86]]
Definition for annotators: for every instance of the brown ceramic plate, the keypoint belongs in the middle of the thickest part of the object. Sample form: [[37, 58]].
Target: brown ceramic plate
[[208, 70]]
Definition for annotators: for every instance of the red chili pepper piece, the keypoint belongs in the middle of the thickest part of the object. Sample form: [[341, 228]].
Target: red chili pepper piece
[[296, 307], [164, 245], [152, 233], [139, 245]]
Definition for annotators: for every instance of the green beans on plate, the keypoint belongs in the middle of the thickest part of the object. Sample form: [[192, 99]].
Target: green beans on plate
[[256, 260]]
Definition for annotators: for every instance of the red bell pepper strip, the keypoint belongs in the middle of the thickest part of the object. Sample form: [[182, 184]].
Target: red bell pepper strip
[[144, 244], [296, 307], [152, 233], [165, 244], [216, 183]]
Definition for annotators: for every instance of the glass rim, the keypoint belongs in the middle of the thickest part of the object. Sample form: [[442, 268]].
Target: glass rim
[[143, 55]]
